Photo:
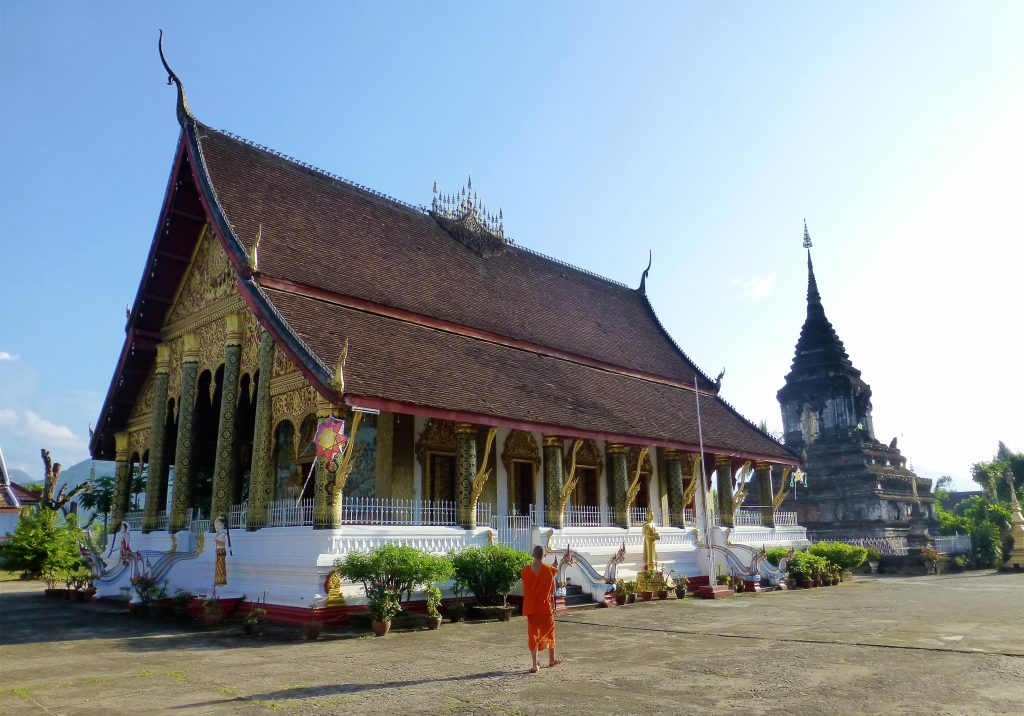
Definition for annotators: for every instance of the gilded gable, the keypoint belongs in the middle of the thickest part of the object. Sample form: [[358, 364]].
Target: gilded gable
[[208, 284]]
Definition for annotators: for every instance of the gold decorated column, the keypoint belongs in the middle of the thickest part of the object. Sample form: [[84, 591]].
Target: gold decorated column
[[620, 482], [325, 513], [157, 440], [226, 461], [122, 481], [723, 471], [465, 471], [764, 492], [674, 483], [554, 475], [261, 476], [183, 476]]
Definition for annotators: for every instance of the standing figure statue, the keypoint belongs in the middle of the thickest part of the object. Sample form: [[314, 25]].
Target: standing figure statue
[[222, 545], [650, 537]]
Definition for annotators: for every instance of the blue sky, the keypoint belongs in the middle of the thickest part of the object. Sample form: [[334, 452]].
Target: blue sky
[[703, 132]]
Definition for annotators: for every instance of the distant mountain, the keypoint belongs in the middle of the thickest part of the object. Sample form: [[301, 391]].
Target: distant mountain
[[19, 476]]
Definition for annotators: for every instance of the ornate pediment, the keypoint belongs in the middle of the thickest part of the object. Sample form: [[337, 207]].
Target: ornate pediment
[[438, 436], [210, 280], [520, 446]]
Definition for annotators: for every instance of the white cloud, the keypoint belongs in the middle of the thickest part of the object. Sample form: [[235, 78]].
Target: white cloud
[[755, 288], [4, 355], [29, 428]]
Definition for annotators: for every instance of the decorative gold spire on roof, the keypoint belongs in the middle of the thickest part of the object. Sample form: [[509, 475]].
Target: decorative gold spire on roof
[[184, 113], [465, 217]]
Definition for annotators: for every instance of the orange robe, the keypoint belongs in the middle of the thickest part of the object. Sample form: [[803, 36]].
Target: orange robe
[[538, 592]]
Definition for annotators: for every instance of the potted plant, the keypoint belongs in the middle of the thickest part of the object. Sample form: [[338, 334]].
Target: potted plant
[[681, 581], [253, 622], [433, 593], [931, 556], [620, 592], [489, 573], [630, 585], [312, 627], [149, 592], [874, 557], [383, 606], [644, 580], [212, 615]]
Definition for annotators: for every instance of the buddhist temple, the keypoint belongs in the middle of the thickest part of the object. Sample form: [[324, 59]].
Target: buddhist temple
[[489, 393], [856, 486]]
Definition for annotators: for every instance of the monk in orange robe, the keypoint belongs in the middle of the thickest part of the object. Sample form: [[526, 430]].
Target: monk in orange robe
[[539, 607]]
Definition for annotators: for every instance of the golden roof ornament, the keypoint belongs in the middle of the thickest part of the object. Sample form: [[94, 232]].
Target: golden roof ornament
[[466, 218]]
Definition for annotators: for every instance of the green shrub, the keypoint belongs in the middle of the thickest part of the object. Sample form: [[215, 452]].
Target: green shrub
[[845, 556], [776, 555], [804, 567], [489, 573], [42, 544], [398, 567]]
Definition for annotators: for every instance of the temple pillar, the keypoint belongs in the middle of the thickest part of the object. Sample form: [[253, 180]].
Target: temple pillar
[[122, 481], [764, 493], [723, 473], [326, 505], [261, 476], [157, 439], [226, 462], [465, 471], [554, 475], [674, 485], [620, 482], [182, 496]]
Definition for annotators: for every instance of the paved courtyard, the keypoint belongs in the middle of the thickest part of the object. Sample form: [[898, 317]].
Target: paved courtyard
[[950, 644]]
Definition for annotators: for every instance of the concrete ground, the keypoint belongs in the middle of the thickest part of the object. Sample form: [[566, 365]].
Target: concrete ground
[[949, 644]]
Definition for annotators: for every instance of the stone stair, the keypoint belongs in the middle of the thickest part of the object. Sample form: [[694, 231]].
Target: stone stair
[[576, 598]]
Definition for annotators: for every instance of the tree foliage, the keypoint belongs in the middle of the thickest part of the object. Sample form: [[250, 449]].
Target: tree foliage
[[42, 544], [990, 474]]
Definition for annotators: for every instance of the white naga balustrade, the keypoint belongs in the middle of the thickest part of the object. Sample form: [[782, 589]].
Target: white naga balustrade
[[587, 516]]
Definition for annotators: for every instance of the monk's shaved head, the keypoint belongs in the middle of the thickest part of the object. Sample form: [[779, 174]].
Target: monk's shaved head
[[538, 552]]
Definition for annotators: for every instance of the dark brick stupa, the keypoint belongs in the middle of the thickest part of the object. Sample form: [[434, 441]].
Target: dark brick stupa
[[857, 487]]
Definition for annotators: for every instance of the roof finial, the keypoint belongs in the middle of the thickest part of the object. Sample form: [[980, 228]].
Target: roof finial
[[807, 236], [184, 113], [643, 278], [254, 255]]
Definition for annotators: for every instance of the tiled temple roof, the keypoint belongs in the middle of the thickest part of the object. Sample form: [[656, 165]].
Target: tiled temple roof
[[502, 337]]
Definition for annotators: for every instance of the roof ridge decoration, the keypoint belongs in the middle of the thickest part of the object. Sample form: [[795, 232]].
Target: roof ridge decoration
[[466, 218], [184, 112]]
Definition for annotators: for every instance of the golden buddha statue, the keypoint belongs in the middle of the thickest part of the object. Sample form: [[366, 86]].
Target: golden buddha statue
[[650, 537]]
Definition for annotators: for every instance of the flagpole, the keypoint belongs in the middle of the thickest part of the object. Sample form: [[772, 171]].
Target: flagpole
[[703, 489]]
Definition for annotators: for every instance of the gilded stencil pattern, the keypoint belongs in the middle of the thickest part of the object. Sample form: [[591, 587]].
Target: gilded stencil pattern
[[620, 483], [465, 465], [211, 348], [520, 445], [283, 364], [144, 405], [183, 456], [261, 481], [210, 279], [156, 451], [674, 483], [553, 484], [224, 462], [177, 347], [293, 406], [250, 343], [589, 456], [634, 452], [138, 442]]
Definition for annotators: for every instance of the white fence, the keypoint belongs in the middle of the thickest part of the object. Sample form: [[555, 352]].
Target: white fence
[[953, 544], [587, 516], [290, 513], [754, 517], [891, 546], [513, 530]]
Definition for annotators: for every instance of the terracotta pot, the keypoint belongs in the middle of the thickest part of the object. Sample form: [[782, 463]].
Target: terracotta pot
[[381, 628], [620, 599], [680, 592], [630, 598], [311, 630], [647, 596], [433, 623], [663, 594]]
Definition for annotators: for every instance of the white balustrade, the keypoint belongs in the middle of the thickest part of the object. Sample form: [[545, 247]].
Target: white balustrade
[[586, 516]]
